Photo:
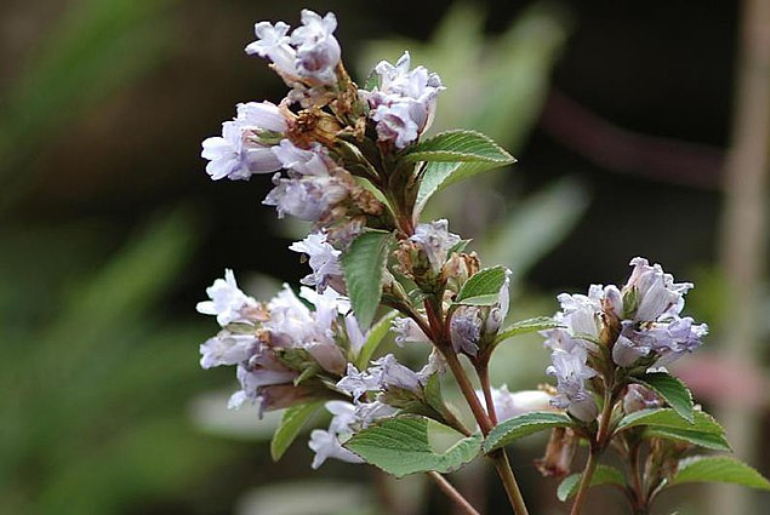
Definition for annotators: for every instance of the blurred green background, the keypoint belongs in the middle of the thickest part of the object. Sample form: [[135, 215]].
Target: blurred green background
[[619, 113]]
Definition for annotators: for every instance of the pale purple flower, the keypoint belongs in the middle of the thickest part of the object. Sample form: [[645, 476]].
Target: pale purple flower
[[318, 52], [638, 397], [465, 330], [322, 258], [655, 292], [291, 321], [311, 52], [407, 330], [227, 348], [435, 241], [228, 302], [238, 153], [358, 383], [307, 198], [368, 412], [260, 371], [404, 104], [313, 161], [669, 339], [385, 373], [571, 371]]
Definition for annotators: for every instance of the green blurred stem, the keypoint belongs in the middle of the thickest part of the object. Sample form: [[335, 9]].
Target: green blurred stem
[[597, 446], [483, 371], [452, 493]]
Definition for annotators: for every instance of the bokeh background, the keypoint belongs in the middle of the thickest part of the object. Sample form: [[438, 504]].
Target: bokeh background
[[640, 129]]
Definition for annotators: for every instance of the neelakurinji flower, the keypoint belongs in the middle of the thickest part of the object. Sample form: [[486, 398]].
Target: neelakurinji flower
[[239, 152], [404, 103], [311, 53]]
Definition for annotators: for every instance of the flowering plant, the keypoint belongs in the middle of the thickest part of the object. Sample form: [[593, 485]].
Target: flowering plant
[[359, 169]]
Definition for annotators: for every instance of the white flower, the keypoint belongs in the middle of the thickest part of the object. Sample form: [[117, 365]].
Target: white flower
[[386, 373], [512, 404], [435, 241], [322, 258], [326, 445], [273, 43], [227, 348], [228, 302]]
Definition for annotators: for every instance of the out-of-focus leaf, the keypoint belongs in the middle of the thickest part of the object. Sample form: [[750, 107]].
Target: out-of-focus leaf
[[98, 47], [604, 475], [315, 497], [373, 340], [535, 227], [292, 421]]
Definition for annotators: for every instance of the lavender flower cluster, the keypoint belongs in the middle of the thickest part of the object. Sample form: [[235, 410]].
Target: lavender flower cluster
[[640, 323]]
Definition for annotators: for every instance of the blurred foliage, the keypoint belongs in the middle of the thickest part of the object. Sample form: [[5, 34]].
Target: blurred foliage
[[94, 410], [98, 48]]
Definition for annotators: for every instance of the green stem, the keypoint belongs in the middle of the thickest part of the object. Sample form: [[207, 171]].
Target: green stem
[[585, 482], [505, 472], [452, 493], [597, 447]]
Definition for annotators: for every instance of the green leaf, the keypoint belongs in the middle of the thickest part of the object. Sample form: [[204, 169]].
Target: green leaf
[[376, 334], [363, 265], [483, 288], [531, 325], [437, 175], [667, 417], [400, 446], [524, 425], [666, 423], [700, 438], [604, 475], [672, 390], [718, 469], [459, 146], [291, 424], [535, 226]]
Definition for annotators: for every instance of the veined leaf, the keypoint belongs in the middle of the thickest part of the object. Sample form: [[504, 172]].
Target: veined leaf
[[718, 469], [291, 424], [667, 417], [666, 423], [483, 288], [672, 390], [400, 447], [531, 325], [604, 475], [524, 425], [363, 265], [712, 441], [459, 146]]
